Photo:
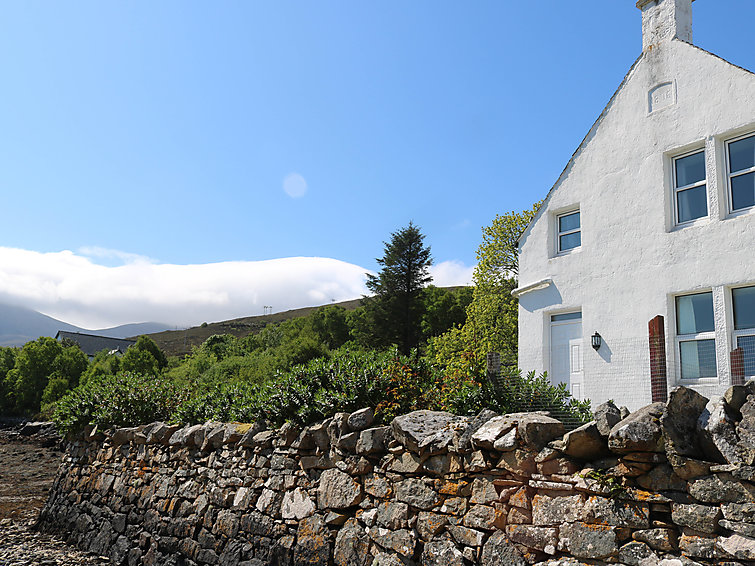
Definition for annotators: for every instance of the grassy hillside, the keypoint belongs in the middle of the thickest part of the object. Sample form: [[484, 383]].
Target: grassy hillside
[[180, 342]]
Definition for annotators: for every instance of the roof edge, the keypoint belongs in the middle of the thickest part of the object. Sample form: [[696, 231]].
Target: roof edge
[[581, 146]]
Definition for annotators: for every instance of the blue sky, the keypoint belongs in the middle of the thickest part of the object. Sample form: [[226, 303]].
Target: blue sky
[[162, 134]]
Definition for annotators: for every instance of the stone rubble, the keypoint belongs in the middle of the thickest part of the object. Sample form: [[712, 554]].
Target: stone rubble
[[668, 485], [21, 545]]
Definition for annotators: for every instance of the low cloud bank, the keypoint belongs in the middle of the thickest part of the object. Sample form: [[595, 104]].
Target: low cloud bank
[[74, 288]]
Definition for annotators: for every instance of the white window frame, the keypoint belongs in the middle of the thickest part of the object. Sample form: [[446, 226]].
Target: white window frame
[[736, 334], [676, 190], [696, 337], [559, 233], [730, 175]]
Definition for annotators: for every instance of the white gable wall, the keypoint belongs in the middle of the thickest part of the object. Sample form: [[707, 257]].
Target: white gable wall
[[633, 261]]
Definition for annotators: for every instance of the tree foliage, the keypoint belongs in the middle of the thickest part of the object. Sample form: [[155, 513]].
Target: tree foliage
[[395, 310], [144, 357], [444, 309], [498, 254], [492, 316], [34, 366]]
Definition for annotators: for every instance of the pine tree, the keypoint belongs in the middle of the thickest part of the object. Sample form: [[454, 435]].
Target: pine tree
[[395, 310]]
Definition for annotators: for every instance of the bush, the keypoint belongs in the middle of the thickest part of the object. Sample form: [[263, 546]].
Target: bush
[[350, 380], [225, 402], [468, 392], [56, 388], [343, 382], [125, 399]]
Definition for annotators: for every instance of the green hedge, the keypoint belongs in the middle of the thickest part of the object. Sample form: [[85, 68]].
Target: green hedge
[[345, 381]]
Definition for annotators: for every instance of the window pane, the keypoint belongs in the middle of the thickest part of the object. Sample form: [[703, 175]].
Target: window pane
[[690, 169], [568, 222], [744, 307], [747, 343], [742, 154], [692, 203], [570, 241], [698, 359], [566, 316], [694, 313], [743, 191]]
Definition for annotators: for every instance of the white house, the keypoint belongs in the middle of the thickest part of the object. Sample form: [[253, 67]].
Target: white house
[[653, 215]]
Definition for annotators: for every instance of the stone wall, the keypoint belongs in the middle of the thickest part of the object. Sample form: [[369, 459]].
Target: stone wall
[[671, 484]]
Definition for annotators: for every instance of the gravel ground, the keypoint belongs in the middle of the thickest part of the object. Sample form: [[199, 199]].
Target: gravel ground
[[27, 469]]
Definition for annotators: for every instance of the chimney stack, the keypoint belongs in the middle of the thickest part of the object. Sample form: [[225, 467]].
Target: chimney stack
[[664, 20]]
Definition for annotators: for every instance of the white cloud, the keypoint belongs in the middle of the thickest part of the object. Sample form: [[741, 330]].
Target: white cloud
[[118, 255], [295, 185], [76, 289], [451, 274]]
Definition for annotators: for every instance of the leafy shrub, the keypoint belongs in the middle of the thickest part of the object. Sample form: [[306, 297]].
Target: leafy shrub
[[124, 399], [221, 346], [347, 381], [225, 402], [56, 388], [467, 390]]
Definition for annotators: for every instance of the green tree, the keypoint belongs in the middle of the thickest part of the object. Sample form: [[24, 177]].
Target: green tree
[[444, 309], [498, 254], [139, 362], [144, 357], [31, 372], [221, 346], [492, 316], [103, 363], [146, 344], [70, 364], [395, 310], [331, 325], [7, 362]]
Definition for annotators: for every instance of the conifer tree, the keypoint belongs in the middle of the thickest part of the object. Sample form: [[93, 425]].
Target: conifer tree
[[395, 310]]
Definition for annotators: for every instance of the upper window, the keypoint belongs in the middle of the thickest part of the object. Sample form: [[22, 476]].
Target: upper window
[[569, 231], [566, 316], [743, 300], [742, 173], [696, 336], [690, 190]]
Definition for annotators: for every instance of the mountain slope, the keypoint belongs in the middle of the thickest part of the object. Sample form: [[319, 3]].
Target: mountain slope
[[180, 342], [19, 325]]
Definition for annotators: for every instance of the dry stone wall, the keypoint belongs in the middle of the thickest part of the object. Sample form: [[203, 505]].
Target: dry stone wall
[[671, 484]]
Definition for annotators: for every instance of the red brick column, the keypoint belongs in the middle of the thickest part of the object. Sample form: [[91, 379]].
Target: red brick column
[[737, 366], [657, 339]]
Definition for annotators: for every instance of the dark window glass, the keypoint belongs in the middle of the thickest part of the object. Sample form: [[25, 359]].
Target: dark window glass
[[742, 154], [744, 307], [568, 222], [566, 316], [692, 203], [698, 359], [690, 169], [694, 313], [743, 191], [747, 343], [570, 241]]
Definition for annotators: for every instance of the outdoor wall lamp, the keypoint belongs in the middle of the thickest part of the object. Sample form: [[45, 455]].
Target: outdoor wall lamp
[[597, 340]]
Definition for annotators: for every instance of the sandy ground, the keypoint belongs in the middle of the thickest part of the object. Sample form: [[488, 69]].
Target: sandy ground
[[27, 469]]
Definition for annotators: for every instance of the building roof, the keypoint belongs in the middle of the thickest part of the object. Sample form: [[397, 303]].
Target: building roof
[[91, 344]]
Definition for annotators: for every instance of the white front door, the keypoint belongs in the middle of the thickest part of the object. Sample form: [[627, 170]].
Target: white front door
[[566, 352]]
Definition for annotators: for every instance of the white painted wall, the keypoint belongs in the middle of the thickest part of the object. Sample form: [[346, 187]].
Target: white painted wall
[[633, 260]]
